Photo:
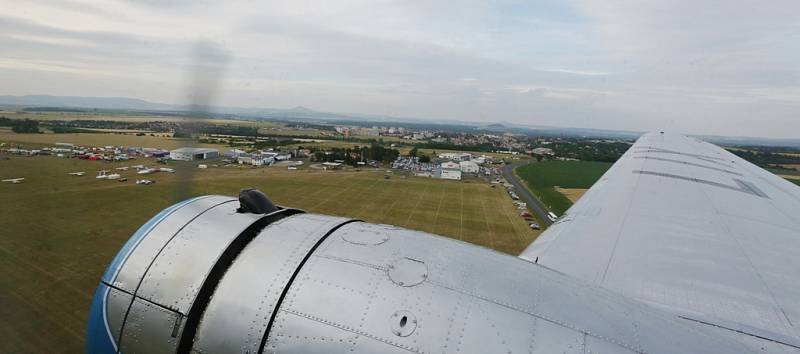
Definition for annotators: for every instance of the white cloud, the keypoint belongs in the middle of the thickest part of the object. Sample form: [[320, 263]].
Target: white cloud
[[696, 66]]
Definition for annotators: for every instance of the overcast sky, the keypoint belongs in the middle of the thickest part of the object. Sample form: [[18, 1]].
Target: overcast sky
[[693, 66]]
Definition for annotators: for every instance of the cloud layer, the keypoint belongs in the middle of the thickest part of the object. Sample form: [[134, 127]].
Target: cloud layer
[[711, 67]]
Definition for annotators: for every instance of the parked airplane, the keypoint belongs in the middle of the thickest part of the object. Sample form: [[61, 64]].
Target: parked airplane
[[14, 180], [681, 247], [144, 181], [145, 171], [113, 176], [81, 173], [124, 168], [166, 169], [102, 174]]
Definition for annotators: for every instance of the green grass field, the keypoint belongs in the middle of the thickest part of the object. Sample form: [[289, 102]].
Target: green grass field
[[59, 232], [543, 176]]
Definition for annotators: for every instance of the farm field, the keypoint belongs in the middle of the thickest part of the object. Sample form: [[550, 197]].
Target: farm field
[[59, 232], [543, 178], [790, 173], [785, 171], [131, 117], [573, 194]]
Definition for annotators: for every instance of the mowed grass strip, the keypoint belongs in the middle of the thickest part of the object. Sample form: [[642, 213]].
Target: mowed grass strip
[[58, 232], [542, 177]]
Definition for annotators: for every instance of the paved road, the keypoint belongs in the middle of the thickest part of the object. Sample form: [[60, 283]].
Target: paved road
[[523, 192]]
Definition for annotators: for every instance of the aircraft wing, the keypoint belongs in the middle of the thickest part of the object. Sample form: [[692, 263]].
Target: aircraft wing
[[691, 228]]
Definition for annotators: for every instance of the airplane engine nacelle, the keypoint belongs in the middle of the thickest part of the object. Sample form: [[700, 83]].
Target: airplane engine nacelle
[[204, 276]]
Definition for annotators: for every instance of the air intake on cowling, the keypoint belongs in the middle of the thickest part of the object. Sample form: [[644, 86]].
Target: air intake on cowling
[[252, 200]]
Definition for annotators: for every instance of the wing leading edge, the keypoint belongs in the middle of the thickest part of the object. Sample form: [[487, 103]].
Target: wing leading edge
[[686, 226]]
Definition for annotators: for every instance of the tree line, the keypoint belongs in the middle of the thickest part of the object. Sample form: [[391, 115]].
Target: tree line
[[351, 156]]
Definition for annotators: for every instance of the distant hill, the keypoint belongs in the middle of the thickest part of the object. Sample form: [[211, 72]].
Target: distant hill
[[71, 103], [85, 102], [78, 103]]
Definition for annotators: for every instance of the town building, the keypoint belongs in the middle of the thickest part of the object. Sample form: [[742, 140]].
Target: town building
[[469, 167], [234, 153], [451, 170], [456, 156], [542, 151]]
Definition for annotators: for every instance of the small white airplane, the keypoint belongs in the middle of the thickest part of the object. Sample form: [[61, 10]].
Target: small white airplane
[[146, 171], [144, 181], [80, 173], [125, 168], [113, 176], [14, 180], [138, 167], [102, 174], [165, 169]]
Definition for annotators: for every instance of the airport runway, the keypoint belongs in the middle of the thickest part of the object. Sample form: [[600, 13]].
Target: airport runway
[[522, 190]]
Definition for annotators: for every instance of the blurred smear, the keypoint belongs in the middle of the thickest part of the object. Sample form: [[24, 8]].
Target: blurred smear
[[209, 63]]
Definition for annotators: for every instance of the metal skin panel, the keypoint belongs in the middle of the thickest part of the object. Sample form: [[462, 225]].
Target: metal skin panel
[[179, 271], [117, 302], [242, 305], [316, 334], [593, 345], [151, 238], [151, 329], [473, 301], [717, 244], [129, 265]]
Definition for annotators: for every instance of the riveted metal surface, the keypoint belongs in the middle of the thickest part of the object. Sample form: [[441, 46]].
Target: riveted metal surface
[[149, 328], [179, 271], [358, 234], [117, 302], [298, 334], [408, 272], [240, 310], [473, 301], [145, 251]]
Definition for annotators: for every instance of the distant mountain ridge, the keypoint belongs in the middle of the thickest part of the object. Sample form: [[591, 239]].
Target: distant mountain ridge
[[304, 113], [85, 102]]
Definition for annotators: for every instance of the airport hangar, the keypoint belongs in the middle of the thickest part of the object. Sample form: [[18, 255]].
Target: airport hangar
[[189, 154]]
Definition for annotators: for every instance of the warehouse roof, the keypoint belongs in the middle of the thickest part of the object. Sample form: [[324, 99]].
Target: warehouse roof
[[191, 150]]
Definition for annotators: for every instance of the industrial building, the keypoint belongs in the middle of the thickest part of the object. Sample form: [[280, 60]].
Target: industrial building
[[189, 154], [456, 156], [451, 170], [469, 167]]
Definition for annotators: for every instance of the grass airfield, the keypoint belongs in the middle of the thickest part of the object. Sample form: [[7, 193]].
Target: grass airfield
[[59, 232]]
